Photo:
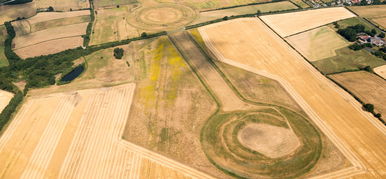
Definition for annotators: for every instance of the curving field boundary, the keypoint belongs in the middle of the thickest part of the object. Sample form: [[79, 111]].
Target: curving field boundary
[[358, 166]]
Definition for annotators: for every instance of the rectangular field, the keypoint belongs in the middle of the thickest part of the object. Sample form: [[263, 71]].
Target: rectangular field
[[5, 97], [370, 11], [291, 23], [38, 35], [368, 87], [318, 43], [109, 3], [275, 6], [213, 4], [381, 71], [257, 48], [63, 5], [78, 136]]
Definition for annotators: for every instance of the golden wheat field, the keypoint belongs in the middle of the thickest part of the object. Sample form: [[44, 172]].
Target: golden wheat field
[[258, 49], [79, 136], [291, 23]]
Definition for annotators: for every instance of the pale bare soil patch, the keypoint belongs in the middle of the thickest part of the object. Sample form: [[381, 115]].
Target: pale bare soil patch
[[12, 12], [269, 140], [63, 5], [49, 47], [46, 16], [256, 48], [381, 71], [367, 86], [5, 97], [291, 23], [318, 43], [78, 136]]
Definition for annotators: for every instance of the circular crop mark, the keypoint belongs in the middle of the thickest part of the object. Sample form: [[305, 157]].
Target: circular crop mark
[[254, 144], [162, 17]]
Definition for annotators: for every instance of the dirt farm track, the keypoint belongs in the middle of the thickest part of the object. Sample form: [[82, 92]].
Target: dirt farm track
[[258, 49], [72, 139]]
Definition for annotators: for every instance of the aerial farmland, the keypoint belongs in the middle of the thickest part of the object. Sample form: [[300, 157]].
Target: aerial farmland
[[192, 89]]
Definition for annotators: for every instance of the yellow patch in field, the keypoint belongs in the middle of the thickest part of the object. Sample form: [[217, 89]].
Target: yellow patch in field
[[318, 43]]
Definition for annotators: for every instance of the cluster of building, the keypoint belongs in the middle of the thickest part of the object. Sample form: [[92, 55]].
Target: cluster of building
[[363, 38], [350, 2]]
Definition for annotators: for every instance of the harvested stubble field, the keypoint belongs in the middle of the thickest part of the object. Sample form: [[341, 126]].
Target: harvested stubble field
[[48, 28], [233, 155], [381, 71], [366, 86], [3, 36], [263, 90], [291, 23], [318, 43], [63, 5], [369, 11], [212, 4], [274, 6], [259, 49], [79, 136], [5, 97], [170, 107], [12, 12]]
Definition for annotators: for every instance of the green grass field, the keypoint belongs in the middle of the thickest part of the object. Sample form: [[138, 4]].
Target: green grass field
[[354, 21], [3, 35], [348, 60]]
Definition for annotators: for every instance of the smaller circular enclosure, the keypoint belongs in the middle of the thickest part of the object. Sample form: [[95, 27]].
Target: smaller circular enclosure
[[162, 17]]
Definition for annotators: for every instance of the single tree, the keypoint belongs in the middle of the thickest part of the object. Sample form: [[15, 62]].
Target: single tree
[[225, 18], [144, 34], [118, 53], [381, 35], [50, 9], [369, 107]]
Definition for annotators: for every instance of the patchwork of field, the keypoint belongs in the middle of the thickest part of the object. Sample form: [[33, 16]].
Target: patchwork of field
[[375, 13], [368, 87], [79, 136], [381, 71], [12, 12], [258, 49], [318, 43], [3, 36], [212, 4], [226, 136], [63, 5], [5, 97], [39, 34], [274, 6], [291, 23]]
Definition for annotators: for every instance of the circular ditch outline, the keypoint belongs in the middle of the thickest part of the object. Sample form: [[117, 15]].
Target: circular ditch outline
[[179, 16], [251, 164]]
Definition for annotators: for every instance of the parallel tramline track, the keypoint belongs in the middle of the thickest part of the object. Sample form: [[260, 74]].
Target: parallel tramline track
[[49, 139]]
